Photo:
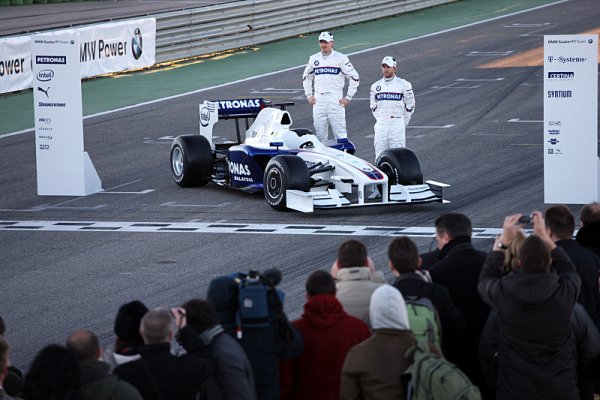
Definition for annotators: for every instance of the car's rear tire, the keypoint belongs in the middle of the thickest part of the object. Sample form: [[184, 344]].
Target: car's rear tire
[[284, 172], [191, 160], [401, 165]]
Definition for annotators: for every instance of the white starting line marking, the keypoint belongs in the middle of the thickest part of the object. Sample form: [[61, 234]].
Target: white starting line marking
[[524, 120], [221, 227]]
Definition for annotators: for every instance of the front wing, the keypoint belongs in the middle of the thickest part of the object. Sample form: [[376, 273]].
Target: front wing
[[430, 191]]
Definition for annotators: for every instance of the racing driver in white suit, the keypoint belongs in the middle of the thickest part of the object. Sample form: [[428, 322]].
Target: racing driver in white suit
[[329, 69], [392, 104]]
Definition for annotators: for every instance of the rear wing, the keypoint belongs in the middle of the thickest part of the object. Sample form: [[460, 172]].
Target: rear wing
[[238, 109]]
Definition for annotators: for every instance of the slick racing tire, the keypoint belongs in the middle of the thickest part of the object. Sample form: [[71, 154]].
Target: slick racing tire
[[401, 165], [191, 160], [284, 172]]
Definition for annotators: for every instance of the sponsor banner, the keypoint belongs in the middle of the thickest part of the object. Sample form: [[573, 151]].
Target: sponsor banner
[[571, 119], [103, 49], [117, 46], [15, 63], [62, 165]]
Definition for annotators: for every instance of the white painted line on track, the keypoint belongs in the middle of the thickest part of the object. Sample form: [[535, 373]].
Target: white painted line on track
[[524, 120], [302, 66], [227, 227]]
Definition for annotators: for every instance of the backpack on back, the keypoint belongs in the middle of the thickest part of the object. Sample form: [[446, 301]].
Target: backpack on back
[[431, 377], [253, 302], [424, 320]]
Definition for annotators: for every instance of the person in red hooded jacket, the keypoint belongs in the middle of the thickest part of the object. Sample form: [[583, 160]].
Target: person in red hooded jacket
[[329, 333]]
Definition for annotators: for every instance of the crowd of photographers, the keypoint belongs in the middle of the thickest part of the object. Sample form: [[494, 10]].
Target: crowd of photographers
[[520, 321]]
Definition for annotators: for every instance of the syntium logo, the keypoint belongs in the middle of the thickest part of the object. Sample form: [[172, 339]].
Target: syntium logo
[[561, 75], [559, 94]]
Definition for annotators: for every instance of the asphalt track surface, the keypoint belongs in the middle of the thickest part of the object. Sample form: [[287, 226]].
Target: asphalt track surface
[[68, 263]]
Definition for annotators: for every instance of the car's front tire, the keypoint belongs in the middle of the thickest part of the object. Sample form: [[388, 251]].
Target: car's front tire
[[284, 172], [401, 165], [191, 160]]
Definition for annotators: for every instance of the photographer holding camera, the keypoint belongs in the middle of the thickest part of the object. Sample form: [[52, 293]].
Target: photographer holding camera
[[536, 357], [160, 375]]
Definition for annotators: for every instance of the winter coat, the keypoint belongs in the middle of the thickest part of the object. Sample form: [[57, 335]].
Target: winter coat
[[536, 354], [458, 270], [354, 288], [173, 377], [588, 268], [373, 369], [328, 332], [588, 236], [98, 384], [264, 346], [452, 320], [233, 378]]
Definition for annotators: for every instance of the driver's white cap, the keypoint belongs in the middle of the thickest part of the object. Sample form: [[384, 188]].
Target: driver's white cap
[[389, 61], [326, 36]]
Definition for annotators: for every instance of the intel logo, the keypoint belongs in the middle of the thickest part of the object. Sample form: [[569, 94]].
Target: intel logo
[[45, 75]]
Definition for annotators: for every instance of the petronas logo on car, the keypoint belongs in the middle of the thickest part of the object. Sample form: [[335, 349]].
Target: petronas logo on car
[[136, 44]]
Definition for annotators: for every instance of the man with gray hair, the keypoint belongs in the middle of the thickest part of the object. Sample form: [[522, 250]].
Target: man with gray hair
[[97, 383], [160, 375]]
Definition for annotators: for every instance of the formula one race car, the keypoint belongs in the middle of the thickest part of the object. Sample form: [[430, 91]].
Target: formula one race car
[[290, 165]]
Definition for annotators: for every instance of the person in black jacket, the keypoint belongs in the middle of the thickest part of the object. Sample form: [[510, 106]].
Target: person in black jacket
[[457, 269], [160, 375], [537, 345], [97, 383], [265, 346], [561, 224], [233, 378], [588, 235], [405, 263]]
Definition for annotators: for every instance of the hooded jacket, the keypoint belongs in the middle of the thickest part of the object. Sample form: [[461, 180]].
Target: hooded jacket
[[355, 285], [373, 369], [328, 334], [536, 352]]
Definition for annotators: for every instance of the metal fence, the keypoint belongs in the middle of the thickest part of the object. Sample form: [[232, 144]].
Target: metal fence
[[211, 29]]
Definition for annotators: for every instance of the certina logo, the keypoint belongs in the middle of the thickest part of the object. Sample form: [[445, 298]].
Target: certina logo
[[204, 116], [45, 75], [389, 96], [238, 169], [564, 60], [553, 131], [136, 44], [561, 75], [50, 60], [327, 71], [562, 94]]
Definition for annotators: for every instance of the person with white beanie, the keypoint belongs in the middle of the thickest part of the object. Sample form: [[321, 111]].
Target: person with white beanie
[[373, 369]]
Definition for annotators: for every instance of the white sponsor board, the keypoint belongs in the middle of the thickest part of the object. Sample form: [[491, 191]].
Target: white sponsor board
[[63, 168], [103, 49], [15, 64], [117, 46], [571, 164]]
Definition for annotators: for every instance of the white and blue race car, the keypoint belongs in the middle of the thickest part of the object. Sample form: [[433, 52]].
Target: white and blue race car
[[290, 165]]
